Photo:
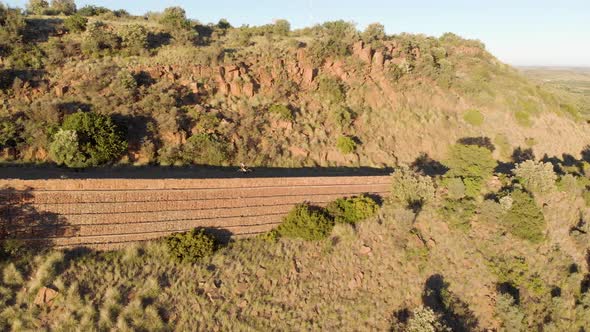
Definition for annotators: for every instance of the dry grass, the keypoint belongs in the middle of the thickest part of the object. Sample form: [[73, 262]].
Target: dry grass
[[354, 280]]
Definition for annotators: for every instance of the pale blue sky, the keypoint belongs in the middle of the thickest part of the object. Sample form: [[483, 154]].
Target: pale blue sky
[[519, 32]]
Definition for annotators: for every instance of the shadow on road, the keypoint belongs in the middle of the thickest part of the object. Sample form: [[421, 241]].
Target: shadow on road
[[34, 172], [19, 220]]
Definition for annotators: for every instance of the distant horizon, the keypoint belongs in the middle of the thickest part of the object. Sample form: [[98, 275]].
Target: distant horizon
[[528, 33]]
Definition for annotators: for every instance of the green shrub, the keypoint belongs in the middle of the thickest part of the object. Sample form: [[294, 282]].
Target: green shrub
[[523, 118], [326, 47], [455, 188], [90, 10], [87, 139], [307, 223], [510, 314], [525, 219], [8, 133], [26, 56], [473, 117], [331, 91], [515, 270], [411, 188], [536, 177], [13, 250], [491, 211], [341, 116], [99, 41], [422, 319], [352, 210], [12, 26], [346, 144], [459, 213], [282, 112], [191, 246], [134, 39], [124, 85], [206, 149], [271, 236], [75, 23]]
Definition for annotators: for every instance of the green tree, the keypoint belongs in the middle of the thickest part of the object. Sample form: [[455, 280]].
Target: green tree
[[87, 139], [175, 18], [281, 27], [66, 7], [12, 25], [525, 219], [410, 188], [37, 7], [472, 164], [90, 10], [373, 32], [206, 149], [65, 150], [536, 177], [76, 23]]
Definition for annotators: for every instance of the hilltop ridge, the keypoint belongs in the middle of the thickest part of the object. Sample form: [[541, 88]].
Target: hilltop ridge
[[328, 95]]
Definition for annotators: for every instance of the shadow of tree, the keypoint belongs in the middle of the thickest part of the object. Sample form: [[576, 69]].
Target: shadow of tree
[[520, 155], [222, 236], [510, 289], [484, 142], [428, 166], [20, 221], [156, 40], [455, 313]]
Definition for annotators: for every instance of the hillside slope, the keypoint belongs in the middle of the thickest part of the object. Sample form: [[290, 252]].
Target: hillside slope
[[322, 96]]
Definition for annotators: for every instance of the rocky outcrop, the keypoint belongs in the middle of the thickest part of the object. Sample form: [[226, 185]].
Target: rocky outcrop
[[247, 79], [45, 296]]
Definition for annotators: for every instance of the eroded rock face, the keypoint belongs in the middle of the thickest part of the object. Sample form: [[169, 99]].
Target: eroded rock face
[[248, 89], [309, 73], [247, 79], [378, 61], [174, 138], [235, 89]]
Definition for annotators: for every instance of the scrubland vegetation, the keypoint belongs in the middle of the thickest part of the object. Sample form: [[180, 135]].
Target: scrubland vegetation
[[468, 244], [177, 91], [486, 225]]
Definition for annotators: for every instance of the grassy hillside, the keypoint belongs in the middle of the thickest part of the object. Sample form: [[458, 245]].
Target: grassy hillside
[[470, 251], [183, 92]]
